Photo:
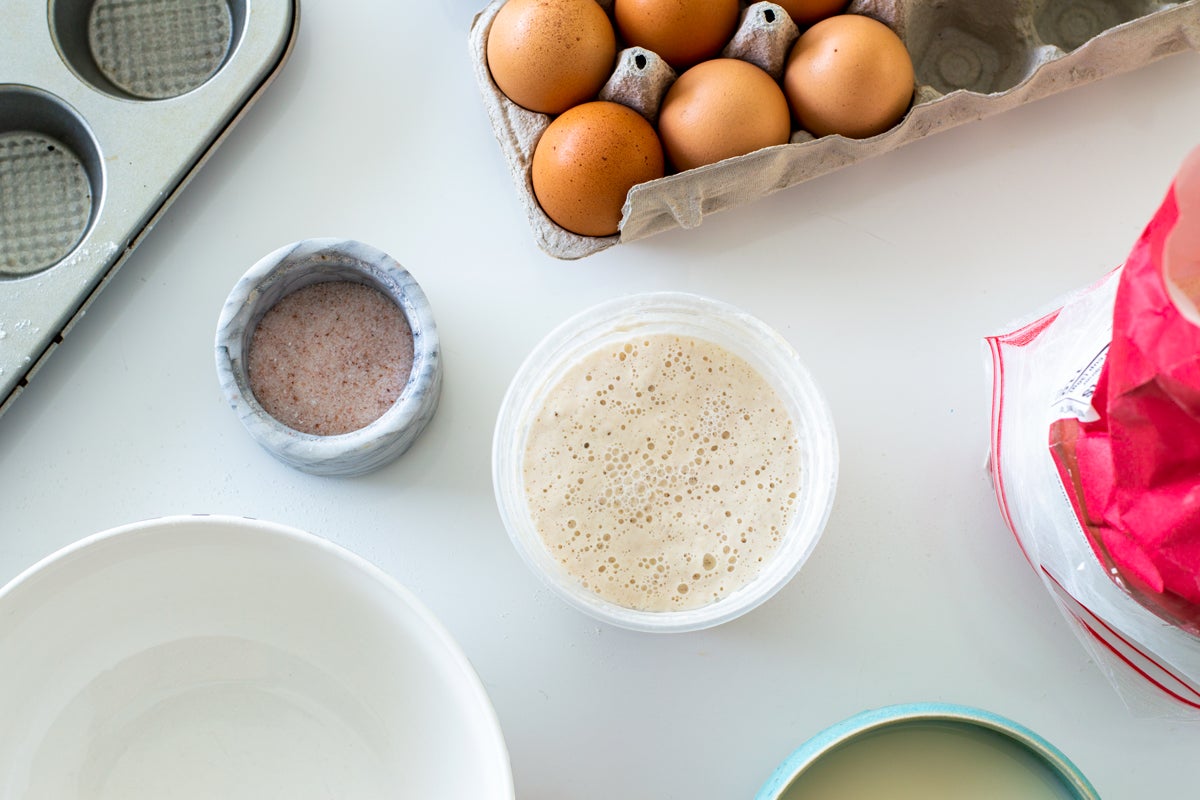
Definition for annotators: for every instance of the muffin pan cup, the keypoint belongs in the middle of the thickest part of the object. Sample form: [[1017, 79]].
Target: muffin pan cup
[[972, 60], [107, 109]]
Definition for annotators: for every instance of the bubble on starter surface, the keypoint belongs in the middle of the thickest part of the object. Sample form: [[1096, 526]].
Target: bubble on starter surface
[[651, 457]]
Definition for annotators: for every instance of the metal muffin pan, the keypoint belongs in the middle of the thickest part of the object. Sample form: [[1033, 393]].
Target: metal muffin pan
[[107, 108]]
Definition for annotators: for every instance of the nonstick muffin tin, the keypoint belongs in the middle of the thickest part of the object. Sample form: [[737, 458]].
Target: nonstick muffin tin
[[107, 108], [972, 59]]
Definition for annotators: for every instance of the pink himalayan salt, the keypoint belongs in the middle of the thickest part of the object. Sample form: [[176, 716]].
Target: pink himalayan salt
[[330, 358]]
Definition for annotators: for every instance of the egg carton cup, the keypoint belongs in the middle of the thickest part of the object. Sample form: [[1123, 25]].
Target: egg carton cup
[[971, 60], [107, 109]]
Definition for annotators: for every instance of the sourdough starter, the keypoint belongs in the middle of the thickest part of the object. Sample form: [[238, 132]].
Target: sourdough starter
[[662, 472]]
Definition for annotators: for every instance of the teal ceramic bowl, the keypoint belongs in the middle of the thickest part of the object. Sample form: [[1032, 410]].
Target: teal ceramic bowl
[[1016, 747]]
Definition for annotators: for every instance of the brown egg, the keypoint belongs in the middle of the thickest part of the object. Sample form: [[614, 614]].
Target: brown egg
[[806, 12], [681, 32], [719, 109], [586, 162], [848, 74], [548, 55]]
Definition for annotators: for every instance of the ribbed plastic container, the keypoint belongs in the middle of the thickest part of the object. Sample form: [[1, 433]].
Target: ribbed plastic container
[[690, 316]]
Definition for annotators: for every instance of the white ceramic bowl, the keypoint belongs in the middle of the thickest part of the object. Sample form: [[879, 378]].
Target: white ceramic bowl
[[700, 318], [217, 657]]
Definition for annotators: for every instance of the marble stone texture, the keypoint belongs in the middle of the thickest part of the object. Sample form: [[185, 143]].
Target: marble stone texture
[[293, 267]]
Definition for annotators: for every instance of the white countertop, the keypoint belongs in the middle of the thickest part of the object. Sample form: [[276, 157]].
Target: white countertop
[[885, 276]]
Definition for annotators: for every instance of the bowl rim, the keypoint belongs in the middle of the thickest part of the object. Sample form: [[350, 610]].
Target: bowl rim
[[875, 720], [466, 676], [547, 360], [245, 306]]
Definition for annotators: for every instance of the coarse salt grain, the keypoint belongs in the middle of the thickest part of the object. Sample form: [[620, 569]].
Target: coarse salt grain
[[330, 358]]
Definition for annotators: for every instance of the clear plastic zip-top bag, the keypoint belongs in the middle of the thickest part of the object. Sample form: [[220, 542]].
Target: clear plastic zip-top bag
[[1095, 456]]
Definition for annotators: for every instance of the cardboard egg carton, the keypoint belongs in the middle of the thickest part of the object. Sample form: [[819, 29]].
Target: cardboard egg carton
[[971, 60]]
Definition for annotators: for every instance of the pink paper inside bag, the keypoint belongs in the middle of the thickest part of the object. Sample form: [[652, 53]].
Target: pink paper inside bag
[[1138, 464]]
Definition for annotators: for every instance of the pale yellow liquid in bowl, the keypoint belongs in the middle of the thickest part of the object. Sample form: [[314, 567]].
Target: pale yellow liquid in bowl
[[929, 761]]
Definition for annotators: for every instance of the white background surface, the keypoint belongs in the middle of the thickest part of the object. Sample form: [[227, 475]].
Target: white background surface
[[885, 276]]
